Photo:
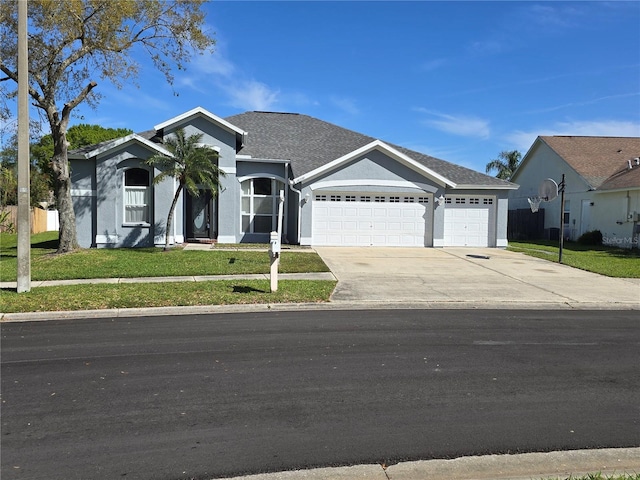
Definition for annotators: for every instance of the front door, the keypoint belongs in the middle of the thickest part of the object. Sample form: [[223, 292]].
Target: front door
[[200, 221]]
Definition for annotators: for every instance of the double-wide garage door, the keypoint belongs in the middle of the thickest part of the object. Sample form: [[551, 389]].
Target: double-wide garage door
[[372, 220]]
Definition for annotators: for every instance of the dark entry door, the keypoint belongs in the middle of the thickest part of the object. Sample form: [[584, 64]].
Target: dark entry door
[[200, 216]]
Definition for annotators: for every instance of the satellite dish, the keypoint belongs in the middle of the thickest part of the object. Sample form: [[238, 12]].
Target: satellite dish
[[548, 189]]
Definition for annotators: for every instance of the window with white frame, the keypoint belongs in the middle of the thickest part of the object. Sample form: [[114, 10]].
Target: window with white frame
[[136, 196], [260, 204]]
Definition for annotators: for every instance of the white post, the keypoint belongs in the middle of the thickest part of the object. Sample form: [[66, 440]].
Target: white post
[[274, 245]]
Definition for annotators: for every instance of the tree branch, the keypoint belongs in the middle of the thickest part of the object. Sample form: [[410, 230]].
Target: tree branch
[[66, 110]]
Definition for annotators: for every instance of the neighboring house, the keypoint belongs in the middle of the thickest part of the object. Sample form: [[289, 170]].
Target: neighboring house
[[340, 188], [602, 192]]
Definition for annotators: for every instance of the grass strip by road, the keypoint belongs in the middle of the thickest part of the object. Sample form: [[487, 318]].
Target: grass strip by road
[[134, 295], [612, 262], [143, 262]]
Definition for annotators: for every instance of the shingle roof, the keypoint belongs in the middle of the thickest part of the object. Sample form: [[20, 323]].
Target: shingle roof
[[310, 143], [601, 161]]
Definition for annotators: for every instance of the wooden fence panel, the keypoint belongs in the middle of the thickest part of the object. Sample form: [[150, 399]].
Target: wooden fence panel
[[38, 218], [523, 224]]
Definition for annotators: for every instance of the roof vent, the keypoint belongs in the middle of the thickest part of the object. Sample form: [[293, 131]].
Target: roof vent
[[637, 159], [630, 164]]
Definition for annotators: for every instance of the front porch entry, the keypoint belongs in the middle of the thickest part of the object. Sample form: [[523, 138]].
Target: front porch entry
[[201, 217]]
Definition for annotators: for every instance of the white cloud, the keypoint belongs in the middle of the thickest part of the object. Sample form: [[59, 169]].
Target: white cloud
[[522, 140], [214, 64], [251, 95], [217, 70], [462, 125], [345, 104]]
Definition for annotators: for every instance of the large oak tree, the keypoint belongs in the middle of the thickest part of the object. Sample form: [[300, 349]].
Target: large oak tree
[[73, 43]]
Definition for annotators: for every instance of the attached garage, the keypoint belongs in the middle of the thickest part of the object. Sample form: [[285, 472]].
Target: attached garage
[[357, 219], [469, 221]]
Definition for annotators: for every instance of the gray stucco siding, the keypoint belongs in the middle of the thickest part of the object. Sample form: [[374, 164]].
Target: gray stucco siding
[[375, 165], [228, 209], [83, 195]]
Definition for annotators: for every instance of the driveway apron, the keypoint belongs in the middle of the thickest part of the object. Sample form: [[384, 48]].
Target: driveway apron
[[478, 276]]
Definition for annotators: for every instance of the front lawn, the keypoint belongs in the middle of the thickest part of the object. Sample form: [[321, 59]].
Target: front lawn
[[612, 262], [166, 294], [153, 262], [144, 262]]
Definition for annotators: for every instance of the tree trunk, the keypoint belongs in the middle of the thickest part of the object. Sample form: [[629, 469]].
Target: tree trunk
[[170, 217], [68, 238]]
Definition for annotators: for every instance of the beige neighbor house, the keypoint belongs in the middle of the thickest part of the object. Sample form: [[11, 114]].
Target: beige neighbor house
[[602, 192]]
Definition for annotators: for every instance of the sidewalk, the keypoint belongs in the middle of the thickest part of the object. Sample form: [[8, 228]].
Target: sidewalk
[[527, 466], [203, 278]]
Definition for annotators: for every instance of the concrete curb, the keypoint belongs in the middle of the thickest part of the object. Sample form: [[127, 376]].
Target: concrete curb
[[526, 466], [283, 307]]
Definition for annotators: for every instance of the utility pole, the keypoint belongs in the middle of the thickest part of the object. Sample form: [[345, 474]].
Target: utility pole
[[562, 184], [24, 207]]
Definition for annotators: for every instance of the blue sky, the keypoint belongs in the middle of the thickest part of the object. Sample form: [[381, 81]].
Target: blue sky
[[460, 81]]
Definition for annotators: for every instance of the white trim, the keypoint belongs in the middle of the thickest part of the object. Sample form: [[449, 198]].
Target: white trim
[[122, 141], [438, 242], [226, 239], [271, 176], [173, 239], [229, 170], [151, 193], [384, 148], [106, 239], [243, 157], [207, 145], [486, 187], [616, 190], [83, 192], [502, 243], [264, 160], [201, 111], [373, 183]]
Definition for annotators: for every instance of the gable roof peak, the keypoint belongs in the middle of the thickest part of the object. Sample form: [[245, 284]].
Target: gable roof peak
[[200, 111]]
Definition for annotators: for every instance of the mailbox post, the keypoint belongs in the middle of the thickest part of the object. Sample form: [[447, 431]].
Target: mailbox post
[[274, 245], [274, 254]]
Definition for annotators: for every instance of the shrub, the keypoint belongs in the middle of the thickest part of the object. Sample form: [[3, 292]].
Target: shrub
[[593, 237]]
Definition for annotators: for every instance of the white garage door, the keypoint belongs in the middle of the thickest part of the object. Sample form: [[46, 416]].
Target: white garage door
[[468, 221], [371, 220]]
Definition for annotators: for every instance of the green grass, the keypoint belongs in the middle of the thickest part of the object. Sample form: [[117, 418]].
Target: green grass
[[139, 295], [152, 262], [612, 262], [143, 262]]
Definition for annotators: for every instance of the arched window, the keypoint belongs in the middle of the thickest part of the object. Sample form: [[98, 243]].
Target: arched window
[[259, 204], [136, 196]]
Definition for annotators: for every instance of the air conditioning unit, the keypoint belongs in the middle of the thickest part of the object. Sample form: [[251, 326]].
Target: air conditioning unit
[[635, 217]]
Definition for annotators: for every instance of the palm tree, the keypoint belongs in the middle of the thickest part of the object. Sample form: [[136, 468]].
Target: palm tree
[[506, 164], [191, 164]]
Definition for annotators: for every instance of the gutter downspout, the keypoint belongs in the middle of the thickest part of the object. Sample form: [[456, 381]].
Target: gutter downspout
[[285, 206], [299, 208]]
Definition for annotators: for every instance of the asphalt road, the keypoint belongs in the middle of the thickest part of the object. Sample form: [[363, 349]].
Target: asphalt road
[[220, 395]]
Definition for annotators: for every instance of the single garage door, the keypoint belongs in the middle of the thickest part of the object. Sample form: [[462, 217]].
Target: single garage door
[[468, 221], [372, 220]]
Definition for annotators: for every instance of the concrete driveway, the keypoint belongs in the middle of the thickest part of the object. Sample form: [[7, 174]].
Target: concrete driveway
[[469, 277]]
